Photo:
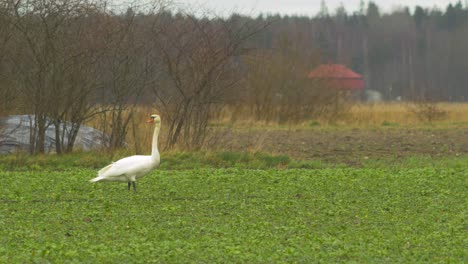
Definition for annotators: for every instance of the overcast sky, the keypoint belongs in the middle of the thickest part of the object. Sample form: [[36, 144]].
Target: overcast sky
[[301, 7]]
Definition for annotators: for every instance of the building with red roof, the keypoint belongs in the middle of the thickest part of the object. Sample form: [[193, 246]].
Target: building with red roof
[[339, 76]]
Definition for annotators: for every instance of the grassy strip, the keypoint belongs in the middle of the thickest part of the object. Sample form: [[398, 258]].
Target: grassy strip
[[171, 160], [196, 160]]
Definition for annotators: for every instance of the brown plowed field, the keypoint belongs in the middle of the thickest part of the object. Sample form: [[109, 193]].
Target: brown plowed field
[[346, 145]]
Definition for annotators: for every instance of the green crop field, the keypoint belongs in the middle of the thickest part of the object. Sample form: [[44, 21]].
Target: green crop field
[[343, 214]]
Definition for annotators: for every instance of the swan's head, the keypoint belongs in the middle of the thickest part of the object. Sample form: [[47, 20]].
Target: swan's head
[[154, 119]]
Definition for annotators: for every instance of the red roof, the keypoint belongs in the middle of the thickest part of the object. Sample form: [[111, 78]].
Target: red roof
[[338, 75]]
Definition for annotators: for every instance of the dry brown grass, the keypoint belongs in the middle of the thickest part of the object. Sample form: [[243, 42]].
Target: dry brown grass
[[399, 115], [359, 115], [402, 114]]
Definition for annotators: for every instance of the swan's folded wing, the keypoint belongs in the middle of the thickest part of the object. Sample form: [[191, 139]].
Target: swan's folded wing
[[124, 169], [105, 169], [129, 166]]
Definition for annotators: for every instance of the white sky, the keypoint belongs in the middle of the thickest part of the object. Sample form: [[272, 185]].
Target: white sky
[[299, 7]]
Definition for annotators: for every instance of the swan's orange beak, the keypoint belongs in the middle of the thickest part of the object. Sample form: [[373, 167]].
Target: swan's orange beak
[[151, 120]]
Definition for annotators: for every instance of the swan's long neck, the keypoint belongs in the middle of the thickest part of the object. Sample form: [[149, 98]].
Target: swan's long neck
[[154, 149]]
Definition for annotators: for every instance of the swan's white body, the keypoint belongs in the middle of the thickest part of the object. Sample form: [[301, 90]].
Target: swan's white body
[[130, 169]]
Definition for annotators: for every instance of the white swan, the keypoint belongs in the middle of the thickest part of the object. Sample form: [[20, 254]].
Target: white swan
[[129, 169]]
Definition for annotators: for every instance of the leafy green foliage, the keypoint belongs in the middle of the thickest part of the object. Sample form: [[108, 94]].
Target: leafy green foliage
[[389, 124], [314, 123], [370, 215]]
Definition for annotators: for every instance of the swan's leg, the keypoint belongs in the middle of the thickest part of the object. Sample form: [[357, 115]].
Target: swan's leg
[[129, 183], [134, 186]]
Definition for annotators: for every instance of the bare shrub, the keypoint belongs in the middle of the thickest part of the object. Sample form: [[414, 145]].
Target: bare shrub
[[427, 110], [124, 75], [54, 53], [7, 90], [200, 64]]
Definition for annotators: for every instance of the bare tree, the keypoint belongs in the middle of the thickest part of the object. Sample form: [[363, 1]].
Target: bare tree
[[7, 91], [38, 24], [55, 60], [127, 66], [200, 59], [79, 74]]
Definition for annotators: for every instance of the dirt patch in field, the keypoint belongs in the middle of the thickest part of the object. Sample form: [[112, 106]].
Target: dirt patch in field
[[349, 146]]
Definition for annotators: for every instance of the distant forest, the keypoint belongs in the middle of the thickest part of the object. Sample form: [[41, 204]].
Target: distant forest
[[415, 54]]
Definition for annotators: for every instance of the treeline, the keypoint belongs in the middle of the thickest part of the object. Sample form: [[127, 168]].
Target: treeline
[[69, 61], [416, 54]]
